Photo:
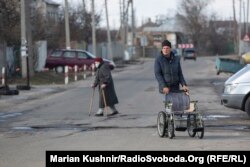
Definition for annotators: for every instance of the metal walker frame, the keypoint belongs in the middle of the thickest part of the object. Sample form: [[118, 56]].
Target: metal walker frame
[[169, 121]]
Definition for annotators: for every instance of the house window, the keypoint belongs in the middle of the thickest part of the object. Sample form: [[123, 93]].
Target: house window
[[157, 38]]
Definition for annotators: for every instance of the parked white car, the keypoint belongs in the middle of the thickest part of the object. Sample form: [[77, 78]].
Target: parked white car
[[237, 90]]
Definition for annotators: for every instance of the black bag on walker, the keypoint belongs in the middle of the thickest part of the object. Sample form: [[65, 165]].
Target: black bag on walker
[[180, 101]]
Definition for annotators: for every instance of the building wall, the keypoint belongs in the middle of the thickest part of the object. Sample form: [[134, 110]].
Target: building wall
[[46, 10]]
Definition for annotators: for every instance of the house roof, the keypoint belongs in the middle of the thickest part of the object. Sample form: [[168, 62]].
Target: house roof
[[52, 2], [224, 23], [171, 25], [149, 23]]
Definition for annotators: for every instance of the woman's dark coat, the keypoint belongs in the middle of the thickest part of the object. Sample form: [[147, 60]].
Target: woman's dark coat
[[103, 76]]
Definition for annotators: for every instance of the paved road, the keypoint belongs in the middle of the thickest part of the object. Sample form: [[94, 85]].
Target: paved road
[[56, 117]]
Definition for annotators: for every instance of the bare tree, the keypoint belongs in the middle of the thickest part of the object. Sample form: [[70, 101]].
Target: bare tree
[[192, 15], [54, 31], [10, 21], [80, 22]]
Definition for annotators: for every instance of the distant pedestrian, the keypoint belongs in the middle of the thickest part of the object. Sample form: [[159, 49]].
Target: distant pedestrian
[[105, 83]]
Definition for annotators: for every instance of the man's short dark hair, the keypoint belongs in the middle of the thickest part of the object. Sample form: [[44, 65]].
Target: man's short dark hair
[[166, 43]]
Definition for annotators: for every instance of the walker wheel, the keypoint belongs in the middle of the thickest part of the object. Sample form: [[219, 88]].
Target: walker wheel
[[170, 128], [161, 124], [200, 125], [191, 125]]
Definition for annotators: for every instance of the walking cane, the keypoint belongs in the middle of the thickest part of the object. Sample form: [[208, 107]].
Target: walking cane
[[91, 101], [105, 103]]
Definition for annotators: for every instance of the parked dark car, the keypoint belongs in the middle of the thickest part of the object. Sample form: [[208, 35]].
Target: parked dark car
[[59, 58], [189, 53]]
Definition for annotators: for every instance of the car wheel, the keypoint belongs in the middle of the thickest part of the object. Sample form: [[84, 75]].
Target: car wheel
[[247, 106], [59, 69]]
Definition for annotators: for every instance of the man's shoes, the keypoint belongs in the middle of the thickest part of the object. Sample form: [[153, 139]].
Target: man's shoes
[[113, 113]]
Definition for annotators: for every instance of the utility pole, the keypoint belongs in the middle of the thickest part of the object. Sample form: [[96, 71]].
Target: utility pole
[[108, 32], [25, 14], [67, 31], [93, 27], [240, 29], [23, 40], [30, 67], [118, 34], [123, 24], [244, 18], [133, 22], [247, 15], [84, 6], [126, 20], [235, 30]]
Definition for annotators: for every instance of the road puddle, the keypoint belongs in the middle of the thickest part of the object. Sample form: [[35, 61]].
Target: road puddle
[[237, 127], [23, 128], [229, 127], [4, 116], [215, 117], [52, 127], [216, 83]]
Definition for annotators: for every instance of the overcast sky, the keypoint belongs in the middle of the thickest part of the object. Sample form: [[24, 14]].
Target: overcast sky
[[151, 8]]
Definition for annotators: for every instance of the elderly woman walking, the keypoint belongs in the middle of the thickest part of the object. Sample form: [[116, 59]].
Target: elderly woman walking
[[107, 94]]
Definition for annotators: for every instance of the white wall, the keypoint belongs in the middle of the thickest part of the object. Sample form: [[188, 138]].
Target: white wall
[[2, 55], [41, 52]]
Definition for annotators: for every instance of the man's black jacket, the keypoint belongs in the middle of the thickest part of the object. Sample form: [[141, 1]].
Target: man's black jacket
[[168, 72]]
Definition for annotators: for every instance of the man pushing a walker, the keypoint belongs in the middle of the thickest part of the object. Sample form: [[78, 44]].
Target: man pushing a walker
[[168, 72]]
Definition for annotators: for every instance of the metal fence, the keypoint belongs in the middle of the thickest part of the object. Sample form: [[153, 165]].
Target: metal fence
[[10, 56]]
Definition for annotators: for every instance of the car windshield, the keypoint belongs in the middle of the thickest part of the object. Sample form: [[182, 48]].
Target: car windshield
[[189, 51], [91, 55]]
